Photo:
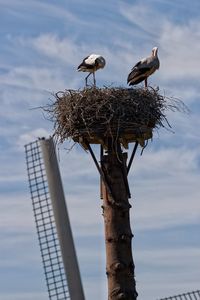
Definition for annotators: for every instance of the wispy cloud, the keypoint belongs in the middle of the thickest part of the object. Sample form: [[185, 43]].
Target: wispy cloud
[[51, 45], [16, 212], [139, 15], [180, 58], [34, 78], [41, 8], [31, 136], [24, 296]]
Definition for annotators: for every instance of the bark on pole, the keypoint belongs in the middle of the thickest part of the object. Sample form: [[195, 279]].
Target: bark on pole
[[118, 235]]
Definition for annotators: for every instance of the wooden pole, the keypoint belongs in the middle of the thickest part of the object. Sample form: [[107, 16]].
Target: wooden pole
[[118, 235]]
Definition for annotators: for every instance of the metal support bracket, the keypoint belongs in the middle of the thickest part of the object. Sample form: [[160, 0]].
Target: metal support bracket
[[124, 170], [132, 157], [99, 169]]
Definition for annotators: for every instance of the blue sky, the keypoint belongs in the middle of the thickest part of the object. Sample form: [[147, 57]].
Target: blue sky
[[42, 42]]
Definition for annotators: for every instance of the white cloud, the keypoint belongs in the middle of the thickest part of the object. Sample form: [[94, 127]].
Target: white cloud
[[165, 188], [181, 48], [170, 258], [169, 161], [31, 136], [143, 16], [16, 212], [34, 78], [63, 49], [17, 8]]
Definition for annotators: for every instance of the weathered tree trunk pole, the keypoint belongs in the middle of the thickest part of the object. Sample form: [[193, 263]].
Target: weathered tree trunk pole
[[118, 235]]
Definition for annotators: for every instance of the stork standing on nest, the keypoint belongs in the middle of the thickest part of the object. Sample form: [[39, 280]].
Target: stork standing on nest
[[144, 68], [91, 64]]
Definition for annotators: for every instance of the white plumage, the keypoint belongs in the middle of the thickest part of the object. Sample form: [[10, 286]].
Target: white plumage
[[144, 68], [91, 64]]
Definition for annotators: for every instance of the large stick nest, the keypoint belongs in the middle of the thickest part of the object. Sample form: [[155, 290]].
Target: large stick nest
[[107, 112]]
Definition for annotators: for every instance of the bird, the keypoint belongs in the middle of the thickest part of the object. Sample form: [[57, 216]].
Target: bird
[[91, 64], [144, 68]]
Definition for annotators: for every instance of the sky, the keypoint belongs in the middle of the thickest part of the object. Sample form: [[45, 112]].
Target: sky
[[41, 44]]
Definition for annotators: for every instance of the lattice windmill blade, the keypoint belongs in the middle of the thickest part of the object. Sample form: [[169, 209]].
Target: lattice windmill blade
[[195, 295], [52, 222]]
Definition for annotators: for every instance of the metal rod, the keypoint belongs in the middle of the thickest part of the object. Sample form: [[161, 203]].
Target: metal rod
[[132, 157], [101, 182], [124, 170], [99, 169], [101, 152], [62, 220]]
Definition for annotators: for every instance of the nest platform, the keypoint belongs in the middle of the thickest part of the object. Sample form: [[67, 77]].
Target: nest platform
[[94, 115]]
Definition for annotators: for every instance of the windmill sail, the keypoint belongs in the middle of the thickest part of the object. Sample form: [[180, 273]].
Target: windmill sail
[[52, 222], [187, 296]]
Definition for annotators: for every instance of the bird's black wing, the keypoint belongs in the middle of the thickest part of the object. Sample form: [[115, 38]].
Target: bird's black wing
[[83, 65], [137, 75], [138, 72], [136, 65]]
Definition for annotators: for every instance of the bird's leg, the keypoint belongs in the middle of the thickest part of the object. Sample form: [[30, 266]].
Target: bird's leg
[[145, 83], [86, 78], [94, 79]]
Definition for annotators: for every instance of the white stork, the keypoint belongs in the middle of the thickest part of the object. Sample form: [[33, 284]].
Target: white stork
[[144, 68], [91, 64]]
